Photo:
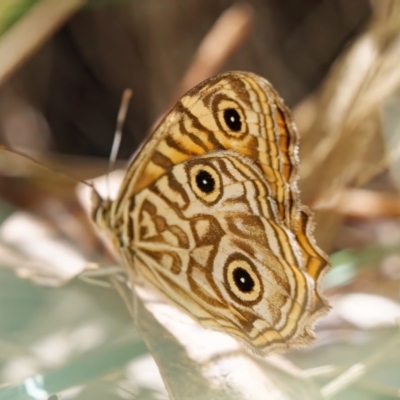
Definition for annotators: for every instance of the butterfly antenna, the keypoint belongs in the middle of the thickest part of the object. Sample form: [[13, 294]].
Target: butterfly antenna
[[11, 150], [123, 109]]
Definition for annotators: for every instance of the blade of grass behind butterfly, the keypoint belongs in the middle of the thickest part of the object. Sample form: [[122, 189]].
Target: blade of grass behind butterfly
[[225, 37], [31, 30], [347, 123], [11, 11], [391, 131], [228, 33], [343, 144]]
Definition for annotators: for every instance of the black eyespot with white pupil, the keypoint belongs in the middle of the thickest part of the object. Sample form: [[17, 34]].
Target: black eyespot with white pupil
[[205, 182], [232, 119], [243, 280]]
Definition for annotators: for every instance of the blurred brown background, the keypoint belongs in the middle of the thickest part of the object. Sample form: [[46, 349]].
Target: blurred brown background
[[65, 65], [65, 97]]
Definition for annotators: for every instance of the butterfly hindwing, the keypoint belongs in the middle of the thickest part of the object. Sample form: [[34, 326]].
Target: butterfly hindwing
[[206, 227]]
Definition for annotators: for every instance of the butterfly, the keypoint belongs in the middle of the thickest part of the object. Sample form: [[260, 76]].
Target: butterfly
[[209, 214]]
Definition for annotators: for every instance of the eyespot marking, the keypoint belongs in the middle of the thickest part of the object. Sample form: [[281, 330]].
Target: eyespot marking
[[232, 119], [205, 182], [243, 280]]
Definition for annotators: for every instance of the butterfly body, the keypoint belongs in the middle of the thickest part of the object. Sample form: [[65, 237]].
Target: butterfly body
[[209, 214]]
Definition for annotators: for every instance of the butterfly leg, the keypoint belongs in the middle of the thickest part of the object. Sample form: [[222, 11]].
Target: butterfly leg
[[99, 276]]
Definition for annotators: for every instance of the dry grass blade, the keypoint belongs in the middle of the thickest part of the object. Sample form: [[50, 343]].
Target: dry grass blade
[[361, 203], [343, 144], [230, 30], [22, 39], [126, 97]]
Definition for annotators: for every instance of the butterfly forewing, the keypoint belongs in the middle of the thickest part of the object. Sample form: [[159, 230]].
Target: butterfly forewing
[[209, 214], [238, 111]]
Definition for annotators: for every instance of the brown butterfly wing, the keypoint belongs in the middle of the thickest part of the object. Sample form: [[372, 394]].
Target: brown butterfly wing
[[239, 112]]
